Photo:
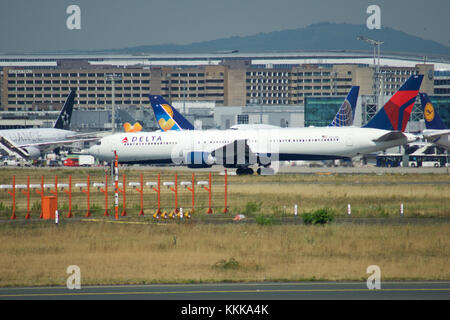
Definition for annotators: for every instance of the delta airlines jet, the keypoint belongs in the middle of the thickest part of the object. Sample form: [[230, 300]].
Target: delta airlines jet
[[436, 131], [29, 143], [263, 147]]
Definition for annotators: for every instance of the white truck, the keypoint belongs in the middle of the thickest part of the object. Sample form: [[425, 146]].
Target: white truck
[[86, 161]]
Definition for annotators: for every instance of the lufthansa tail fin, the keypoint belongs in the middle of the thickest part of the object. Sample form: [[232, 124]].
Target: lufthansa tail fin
[[396, 112], [346, 113], [431, 116], [168, 117], [63, 120]]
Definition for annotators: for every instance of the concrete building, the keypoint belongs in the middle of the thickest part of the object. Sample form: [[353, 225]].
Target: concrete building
[[277, 83]]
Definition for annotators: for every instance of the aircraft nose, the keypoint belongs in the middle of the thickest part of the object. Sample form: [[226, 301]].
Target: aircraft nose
[[94, 151]]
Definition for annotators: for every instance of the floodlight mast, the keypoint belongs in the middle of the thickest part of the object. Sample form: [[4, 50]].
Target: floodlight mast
[[113, 77], [376, 62]]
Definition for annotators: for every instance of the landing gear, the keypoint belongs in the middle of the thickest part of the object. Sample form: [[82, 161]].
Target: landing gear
[[244, 171]]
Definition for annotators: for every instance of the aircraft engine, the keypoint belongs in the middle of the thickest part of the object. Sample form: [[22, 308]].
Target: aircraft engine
[[198, 159], [33, 152]]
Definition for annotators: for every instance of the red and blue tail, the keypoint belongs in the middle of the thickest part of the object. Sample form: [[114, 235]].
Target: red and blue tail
[[432, 118], [396, 112]]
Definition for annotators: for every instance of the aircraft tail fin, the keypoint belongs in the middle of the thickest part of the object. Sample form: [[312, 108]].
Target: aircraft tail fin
[[132, 128], [396, 112], [346, 113], [167, 117], [431, 116], [63, 120]]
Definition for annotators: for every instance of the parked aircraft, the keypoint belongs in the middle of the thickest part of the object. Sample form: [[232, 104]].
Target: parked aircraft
[[29, 143], [168, 118], [263, 147], [136, 127], [436, 130]]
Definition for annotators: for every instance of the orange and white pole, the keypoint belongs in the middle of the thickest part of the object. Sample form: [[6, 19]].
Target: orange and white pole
[[116, 185], [27, 193]]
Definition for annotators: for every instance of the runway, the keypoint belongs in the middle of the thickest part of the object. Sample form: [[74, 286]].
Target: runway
[[414, 290]]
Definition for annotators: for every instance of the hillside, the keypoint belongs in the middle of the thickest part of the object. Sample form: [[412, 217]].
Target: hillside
[[316, 37]]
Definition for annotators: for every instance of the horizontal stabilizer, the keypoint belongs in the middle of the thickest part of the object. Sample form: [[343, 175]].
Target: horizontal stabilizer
[[12, 149], [390, 136], [433, 135]]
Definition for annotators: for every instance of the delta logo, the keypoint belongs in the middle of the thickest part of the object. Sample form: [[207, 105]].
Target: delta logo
[[125, 140]]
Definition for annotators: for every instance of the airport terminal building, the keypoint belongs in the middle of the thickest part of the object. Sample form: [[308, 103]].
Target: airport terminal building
[[258, 84]]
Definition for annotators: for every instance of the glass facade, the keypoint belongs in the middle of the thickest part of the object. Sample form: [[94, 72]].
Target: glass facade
[[320, 111], [442, 106]]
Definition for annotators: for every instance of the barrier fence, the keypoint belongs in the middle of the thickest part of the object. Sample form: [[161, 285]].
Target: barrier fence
[[161, 195]]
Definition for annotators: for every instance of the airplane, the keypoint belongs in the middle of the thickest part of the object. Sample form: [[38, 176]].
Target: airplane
[[168, 118], [263, 147], [127, 126], [136, 127], [30, 143], [346, 113], [436, 130]]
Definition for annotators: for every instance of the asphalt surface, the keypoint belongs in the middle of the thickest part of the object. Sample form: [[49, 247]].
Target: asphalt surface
[[415, 290]]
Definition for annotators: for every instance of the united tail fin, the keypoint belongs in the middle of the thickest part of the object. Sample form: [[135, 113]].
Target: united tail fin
[[63, 120], [346, 113], [167, 117], [396, 112], [431, 116]]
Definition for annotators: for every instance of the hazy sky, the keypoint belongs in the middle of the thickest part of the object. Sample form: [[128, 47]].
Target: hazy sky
[[33, 26]]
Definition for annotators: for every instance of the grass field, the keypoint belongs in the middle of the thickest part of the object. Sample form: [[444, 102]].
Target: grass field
[[139, 250], [109, 253]]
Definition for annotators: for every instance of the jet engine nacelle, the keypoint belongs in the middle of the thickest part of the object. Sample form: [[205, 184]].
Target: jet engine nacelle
[[198, 159], [33, 152]]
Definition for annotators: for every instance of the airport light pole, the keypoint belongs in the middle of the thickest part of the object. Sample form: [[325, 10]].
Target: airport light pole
[[376, 61], [113, 77]]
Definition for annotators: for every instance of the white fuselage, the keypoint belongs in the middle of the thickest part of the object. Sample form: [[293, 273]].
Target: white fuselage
[[24, 137], [36, 140], [281, 143]]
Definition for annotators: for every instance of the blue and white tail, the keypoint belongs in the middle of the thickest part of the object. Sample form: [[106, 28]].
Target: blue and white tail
[[167, 117], [346, 113], [430, 115]]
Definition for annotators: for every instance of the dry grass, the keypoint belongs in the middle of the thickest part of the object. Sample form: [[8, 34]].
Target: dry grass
[[108, 253], [369, 194], [366, 199], [38, 253]]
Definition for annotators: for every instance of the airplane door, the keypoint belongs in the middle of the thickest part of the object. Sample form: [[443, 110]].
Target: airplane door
[[349, 141]]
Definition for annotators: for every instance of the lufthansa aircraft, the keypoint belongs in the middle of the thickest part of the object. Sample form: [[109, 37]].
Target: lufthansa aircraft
[[436, 131], [262, 147], [29, 143]]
